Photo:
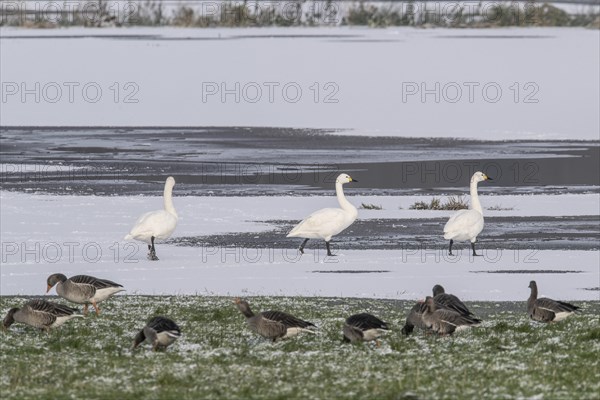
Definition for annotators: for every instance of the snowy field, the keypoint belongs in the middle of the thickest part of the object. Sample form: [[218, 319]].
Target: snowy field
[[43, 234], [495, 83]]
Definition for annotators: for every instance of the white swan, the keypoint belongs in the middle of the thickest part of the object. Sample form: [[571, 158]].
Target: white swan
[[467, 224], [156, 224], [327, 222]]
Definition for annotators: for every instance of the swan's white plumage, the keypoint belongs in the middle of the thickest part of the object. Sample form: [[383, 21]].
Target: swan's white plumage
[[467, 224], [159, 224], [464, 225], [328, 222]]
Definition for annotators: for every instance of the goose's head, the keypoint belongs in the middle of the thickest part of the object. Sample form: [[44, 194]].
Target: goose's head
[[170, 182], [480, 177], [9, 319], [54, 279], [532, 285], [344, 178], [243, 306], [438, 289]]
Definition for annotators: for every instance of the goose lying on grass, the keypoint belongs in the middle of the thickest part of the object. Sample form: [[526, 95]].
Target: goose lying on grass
[[363, 328], [273, 324], [327, 222], [467, 224], [161, 332], [445, 322], [545, 309], [158, 224], [84, 289], [40, 314]]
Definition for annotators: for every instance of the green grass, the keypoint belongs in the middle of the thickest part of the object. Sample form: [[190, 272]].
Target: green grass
[[218, 357]]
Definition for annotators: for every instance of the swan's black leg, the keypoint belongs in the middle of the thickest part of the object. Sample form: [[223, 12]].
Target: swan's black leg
[[152, 255], [473, 247], [450, 249], [329, 254], [302, 246]]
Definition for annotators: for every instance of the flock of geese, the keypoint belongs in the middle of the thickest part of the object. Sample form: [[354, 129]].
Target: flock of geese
[[441, 313]]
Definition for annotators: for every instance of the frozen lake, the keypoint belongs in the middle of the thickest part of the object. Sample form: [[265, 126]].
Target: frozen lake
[[489, 84], [256, 123]]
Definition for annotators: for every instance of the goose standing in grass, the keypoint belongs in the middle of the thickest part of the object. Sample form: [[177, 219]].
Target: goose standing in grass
[[156, 225], [161, 332], [273, 324], [327, 222], [449, 301], [545, 309], [445, 322], [363, 327], [467, 224], [40, 314], [83, 289]]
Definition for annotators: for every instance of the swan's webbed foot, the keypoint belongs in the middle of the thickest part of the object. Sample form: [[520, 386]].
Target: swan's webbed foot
[[450, 248], [152, 256], [152, 251]]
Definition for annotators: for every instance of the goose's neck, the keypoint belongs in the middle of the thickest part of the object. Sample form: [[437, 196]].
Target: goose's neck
[[475, 204], [344, 204], [168, 199], [247, 312], [534, 293]]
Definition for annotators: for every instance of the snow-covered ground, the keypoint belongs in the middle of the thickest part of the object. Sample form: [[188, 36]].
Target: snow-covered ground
[[43, 234], [487, 84]]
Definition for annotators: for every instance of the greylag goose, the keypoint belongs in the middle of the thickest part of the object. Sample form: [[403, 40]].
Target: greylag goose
[[545, 309], [415, 318], [327, 222], [467, 224], [273, 324], [158, 224], [443, 321], [40, 314], [161, 332], [449, 301], [83, 289], [363, 327]]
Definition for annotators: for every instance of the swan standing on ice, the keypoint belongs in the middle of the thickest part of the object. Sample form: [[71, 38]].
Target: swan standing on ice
[[156, 224], [327, 222], [467, 224]]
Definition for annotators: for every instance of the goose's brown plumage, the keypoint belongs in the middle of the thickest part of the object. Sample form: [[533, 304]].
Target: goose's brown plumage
[[449, 301], [83, 289], [545, 309], [443, 321], [273, 324], [363, 327], [161, 332], [40, 314]]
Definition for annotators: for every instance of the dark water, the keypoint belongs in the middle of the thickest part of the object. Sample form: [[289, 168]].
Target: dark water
[[272, 161]]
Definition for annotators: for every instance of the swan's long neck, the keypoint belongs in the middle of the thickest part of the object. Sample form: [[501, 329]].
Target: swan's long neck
[[168, 199], [344, 204], [475, 204]]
